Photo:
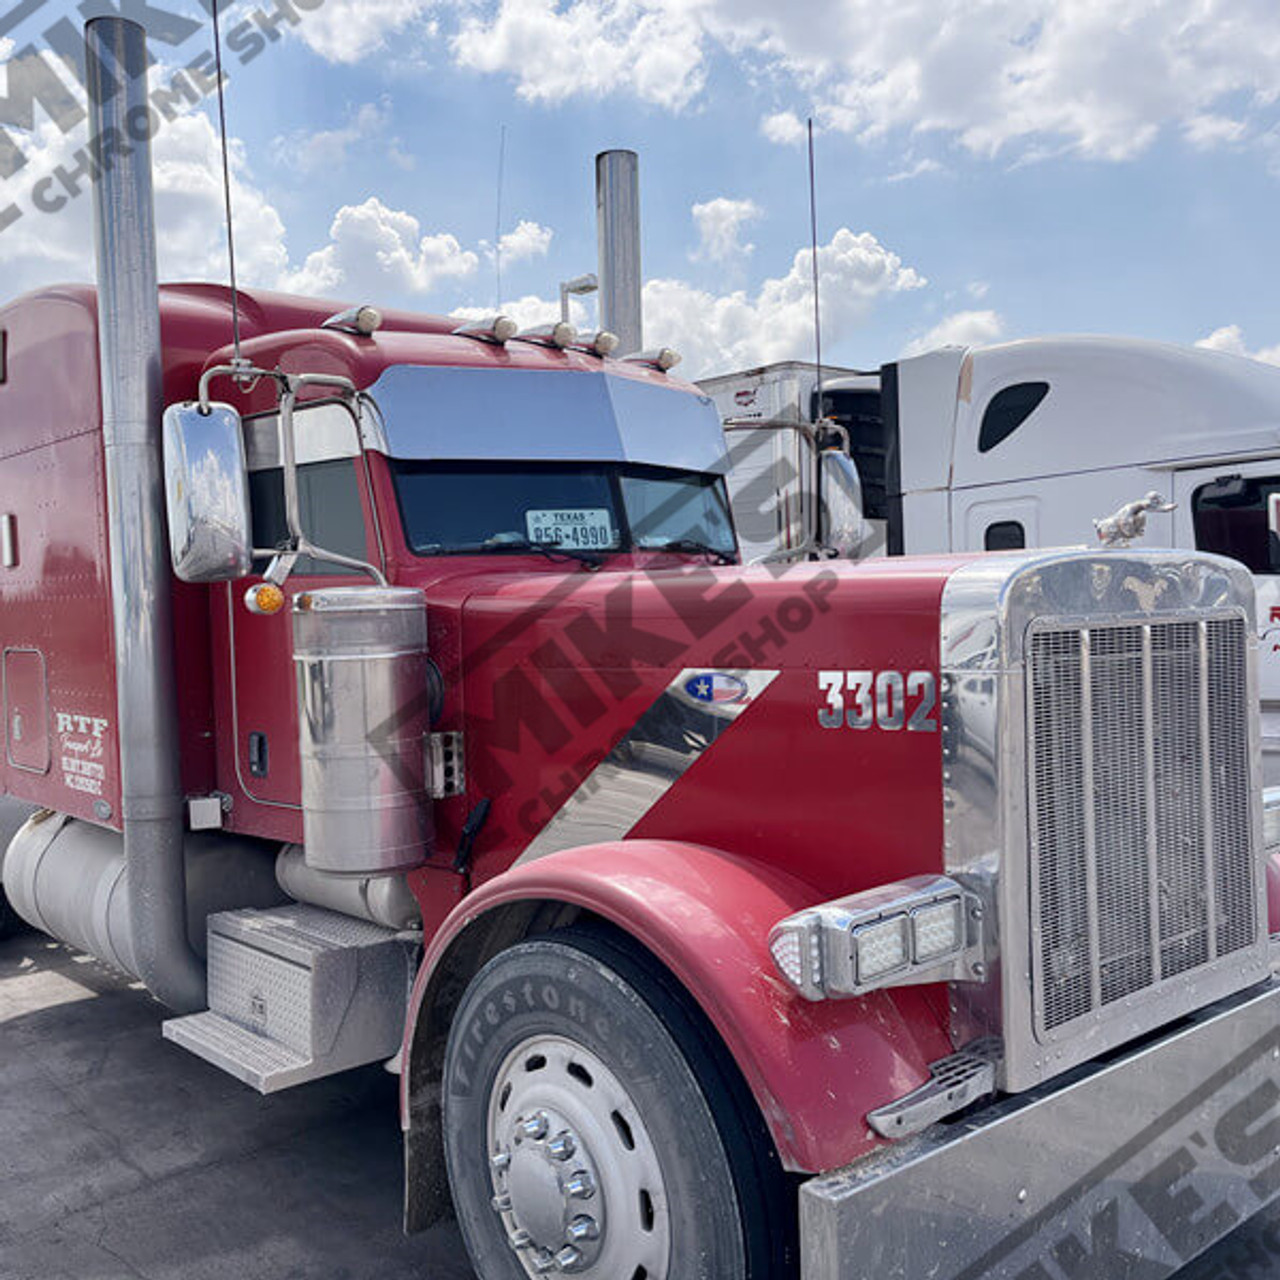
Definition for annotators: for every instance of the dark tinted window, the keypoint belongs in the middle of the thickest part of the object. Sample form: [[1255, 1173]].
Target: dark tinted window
[[859, 412], [1005, 535], [670, 507], [329, 497], [1230, 517], [1008, 410], [492, 506]]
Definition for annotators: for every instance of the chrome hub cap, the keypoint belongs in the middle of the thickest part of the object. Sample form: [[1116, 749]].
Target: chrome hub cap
[[576, 1178]]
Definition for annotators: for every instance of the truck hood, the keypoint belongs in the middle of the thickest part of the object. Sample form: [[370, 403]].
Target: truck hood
[[719, 706]]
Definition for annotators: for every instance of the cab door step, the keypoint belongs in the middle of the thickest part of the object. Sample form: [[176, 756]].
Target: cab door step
[[297, 993]]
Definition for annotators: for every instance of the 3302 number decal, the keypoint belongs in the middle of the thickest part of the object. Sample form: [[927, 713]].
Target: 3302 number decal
[[879, 699]]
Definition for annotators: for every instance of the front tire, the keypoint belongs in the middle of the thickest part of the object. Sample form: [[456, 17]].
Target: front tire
[[591, 1130]]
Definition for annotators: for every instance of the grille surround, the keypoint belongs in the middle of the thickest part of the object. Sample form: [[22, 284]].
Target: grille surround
[[989, 609], [1141, 859]]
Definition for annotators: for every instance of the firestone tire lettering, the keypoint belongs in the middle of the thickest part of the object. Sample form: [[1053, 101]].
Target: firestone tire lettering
[[575, 986]]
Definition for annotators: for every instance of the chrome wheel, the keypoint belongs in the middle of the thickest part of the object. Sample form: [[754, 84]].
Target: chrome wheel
[[576, 1179]]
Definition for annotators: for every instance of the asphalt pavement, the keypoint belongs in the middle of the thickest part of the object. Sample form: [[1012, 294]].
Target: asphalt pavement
[[122, 1157]]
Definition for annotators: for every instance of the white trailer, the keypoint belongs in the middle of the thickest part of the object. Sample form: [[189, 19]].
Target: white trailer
[[774, 513], [1026, 444]]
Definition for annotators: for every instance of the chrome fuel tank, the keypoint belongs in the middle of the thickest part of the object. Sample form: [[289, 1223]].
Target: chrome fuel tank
[[361, 660]]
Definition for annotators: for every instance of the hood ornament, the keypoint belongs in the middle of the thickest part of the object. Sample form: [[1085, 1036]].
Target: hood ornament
[[1130, 521]]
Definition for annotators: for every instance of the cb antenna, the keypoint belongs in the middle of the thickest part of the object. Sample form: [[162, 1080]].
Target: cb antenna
[[813, 242], [497, 221], [226, 184]]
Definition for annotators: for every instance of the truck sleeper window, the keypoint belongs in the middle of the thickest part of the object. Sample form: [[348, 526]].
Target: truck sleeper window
[[455, 507], [1230, 517]]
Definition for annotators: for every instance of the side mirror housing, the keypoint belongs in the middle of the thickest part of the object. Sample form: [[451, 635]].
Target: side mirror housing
[[206, 480], [844, 524]]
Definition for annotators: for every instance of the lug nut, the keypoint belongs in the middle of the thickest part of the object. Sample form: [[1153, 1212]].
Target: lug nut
[[536, 1126], [500, 1162], [582, 1229], [502, 1203], [543, 1262], [562, 1146], [568, 1258], [582, 1186]]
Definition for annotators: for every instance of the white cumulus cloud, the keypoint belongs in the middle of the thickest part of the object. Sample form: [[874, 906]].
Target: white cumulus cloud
[[47, 247], [348, 31], [719, 332], [648, 48], [917, 170], [784, 127], [1230, 338], [530, 311], [327, 149], [963, 329], [1209, 130], [719, 223], [529, 240], [373, 249], [1102, 78]]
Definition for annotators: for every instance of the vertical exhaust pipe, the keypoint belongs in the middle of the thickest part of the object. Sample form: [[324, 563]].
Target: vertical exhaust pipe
[[618, 234], [141, 589]]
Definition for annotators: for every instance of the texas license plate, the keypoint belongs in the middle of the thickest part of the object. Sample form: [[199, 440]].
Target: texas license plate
[[580, 529]]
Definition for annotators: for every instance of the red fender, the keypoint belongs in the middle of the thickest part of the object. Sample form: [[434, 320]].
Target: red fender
[[815, 1069]]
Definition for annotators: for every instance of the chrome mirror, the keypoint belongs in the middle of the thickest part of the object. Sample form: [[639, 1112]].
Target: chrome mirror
[[844, 526], [206, 482]]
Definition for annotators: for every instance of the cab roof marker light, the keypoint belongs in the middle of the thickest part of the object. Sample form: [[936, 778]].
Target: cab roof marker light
[[923, 929], [663, 359], [561, 334], [601, 343], [362, 321], [498, 329]]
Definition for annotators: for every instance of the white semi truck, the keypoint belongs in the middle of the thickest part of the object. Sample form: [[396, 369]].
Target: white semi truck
[[1023, 444]]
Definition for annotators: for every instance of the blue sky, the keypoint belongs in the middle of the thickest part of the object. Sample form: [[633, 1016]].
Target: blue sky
[[987, 168]]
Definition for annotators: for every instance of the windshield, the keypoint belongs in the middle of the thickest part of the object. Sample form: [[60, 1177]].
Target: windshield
[[452, 507]]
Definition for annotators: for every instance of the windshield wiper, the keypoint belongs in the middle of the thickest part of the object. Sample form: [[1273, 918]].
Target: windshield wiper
[[693, 547], [552, 550]]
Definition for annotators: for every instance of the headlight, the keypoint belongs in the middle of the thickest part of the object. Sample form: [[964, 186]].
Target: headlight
[[881, 949], [937, 930], [923, 929]]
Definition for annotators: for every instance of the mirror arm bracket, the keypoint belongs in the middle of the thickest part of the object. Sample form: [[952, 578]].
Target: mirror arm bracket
[[290, 385], [246, 375]]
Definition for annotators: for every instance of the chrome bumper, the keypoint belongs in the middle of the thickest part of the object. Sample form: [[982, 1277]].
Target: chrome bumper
[[1127, 1169]]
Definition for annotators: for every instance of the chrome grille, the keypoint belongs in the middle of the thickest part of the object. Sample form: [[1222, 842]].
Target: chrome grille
[[1142, 865]]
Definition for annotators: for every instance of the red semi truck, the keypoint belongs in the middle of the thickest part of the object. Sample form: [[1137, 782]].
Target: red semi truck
[[396, 694]]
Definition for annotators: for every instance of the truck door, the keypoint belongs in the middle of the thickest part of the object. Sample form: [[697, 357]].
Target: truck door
[[1224, 509], [335, 506]]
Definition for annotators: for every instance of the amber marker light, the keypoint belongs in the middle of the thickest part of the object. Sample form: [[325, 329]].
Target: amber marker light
[[265, 599]]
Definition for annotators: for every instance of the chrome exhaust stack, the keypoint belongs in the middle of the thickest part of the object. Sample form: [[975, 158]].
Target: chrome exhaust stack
[[141, 592], [618, 233]]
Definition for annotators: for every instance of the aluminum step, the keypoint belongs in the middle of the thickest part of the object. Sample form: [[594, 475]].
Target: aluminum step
[[297, 993]]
